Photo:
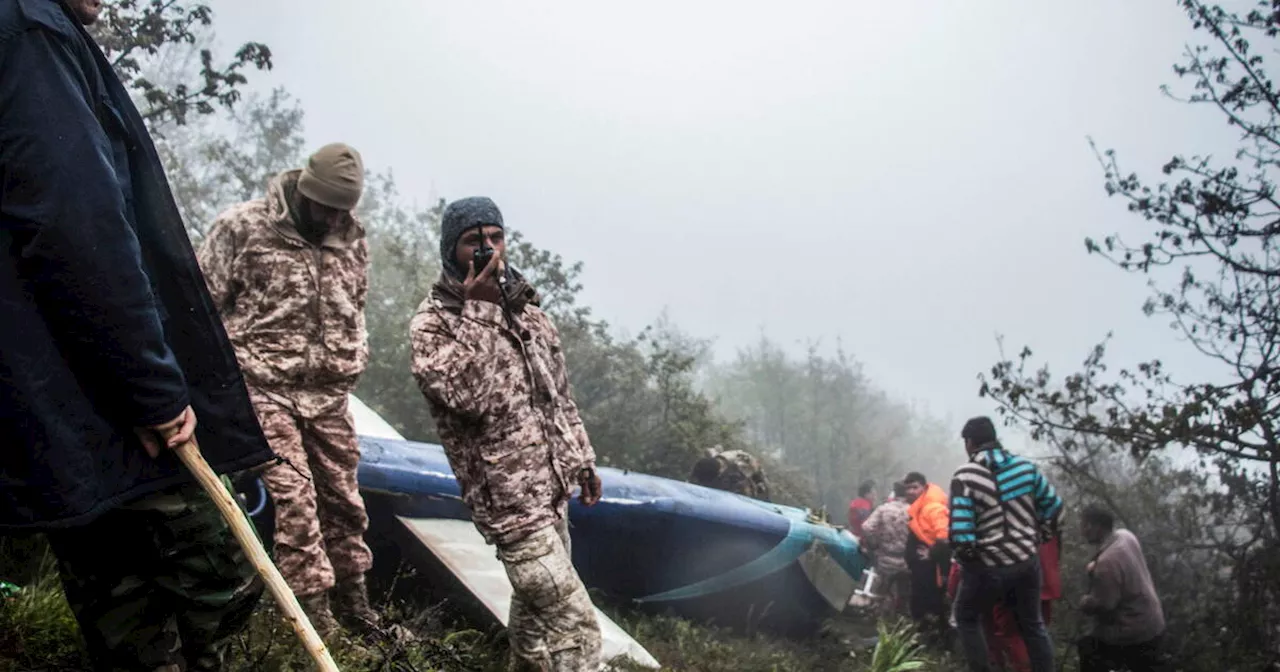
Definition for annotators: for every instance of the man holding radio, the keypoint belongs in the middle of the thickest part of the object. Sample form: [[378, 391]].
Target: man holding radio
[[490, 365]]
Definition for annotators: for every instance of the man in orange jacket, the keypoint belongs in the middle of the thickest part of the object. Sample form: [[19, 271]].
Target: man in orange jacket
[[928, 553]]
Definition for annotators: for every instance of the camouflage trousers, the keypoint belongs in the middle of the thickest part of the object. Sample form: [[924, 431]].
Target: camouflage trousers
[[552, 625], [320, 518], [157, 584]]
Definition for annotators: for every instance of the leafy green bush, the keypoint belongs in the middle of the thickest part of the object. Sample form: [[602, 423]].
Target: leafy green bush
[[898, 650]]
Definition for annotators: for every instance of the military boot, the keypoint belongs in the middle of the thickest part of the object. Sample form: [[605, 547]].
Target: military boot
[[317, 609], [351, 602]]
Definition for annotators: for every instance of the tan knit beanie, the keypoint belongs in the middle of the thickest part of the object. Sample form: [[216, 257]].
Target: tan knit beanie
[[333, 176]]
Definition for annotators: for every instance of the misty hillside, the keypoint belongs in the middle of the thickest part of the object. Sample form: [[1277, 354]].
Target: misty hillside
[[825, 234]]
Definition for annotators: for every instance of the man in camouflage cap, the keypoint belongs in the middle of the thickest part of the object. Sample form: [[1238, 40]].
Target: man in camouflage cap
[[489, 363], [288, 273], [732, 471]]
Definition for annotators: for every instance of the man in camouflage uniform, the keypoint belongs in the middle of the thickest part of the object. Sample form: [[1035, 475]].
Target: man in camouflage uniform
[[110, 354], [288, 273], [489, 363], [884, 534], [733, 471]]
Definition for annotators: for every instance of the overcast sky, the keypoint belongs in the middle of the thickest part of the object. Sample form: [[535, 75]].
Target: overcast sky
[[912, 178]]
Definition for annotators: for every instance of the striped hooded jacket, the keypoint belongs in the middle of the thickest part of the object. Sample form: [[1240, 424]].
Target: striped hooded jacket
[[1002, 508]]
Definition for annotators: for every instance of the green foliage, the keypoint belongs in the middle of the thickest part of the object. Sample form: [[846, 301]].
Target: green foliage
[[898, 650], [132, 32]]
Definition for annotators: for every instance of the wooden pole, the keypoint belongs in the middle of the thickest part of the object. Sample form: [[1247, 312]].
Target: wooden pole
[[190, 455]]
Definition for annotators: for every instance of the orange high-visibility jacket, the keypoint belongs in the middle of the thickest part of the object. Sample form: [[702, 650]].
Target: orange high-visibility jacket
[[930, 516]]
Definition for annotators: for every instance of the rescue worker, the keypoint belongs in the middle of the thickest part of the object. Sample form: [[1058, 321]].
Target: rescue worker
[[884, 534], [1002, 510], [109, 356], [288, 273], [732, 471], [861, 507], [1124, 610], [490, 365], [927, 554]]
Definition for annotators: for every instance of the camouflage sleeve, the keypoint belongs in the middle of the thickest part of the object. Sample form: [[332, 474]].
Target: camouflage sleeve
[[217, 257], [454, 367], [566, 392], [871, 529], [588, 451], [362, 282], [362, 296]]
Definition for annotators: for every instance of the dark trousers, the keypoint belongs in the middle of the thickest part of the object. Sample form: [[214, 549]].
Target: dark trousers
[[1099, 656], [157, 582], [928, 600], [1017, 587]]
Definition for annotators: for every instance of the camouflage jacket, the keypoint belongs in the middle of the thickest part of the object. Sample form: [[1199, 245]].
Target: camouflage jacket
[[294, 310], [741, 473], [884, 534], [501, 400]]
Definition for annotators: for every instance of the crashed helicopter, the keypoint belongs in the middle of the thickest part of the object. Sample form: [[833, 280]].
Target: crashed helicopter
[[653, 542]]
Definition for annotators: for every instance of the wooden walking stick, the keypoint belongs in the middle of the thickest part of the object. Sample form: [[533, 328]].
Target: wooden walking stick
[[189, 453]]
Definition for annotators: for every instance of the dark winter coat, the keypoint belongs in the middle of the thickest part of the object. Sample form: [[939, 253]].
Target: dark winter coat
[[105, 321]]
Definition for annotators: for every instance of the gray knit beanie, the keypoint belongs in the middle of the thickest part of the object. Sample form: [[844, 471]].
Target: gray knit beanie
[[333, 176], [461, 216]]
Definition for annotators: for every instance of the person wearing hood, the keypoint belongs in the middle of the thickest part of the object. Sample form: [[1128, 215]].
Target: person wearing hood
[[289, 274], [110, 355], [927, 552], [1002, 510], [489, 363]]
